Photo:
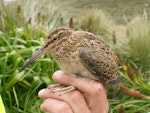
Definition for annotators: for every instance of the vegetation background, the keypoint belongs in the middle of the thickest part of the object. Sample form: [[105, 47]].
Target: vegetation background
[[24, 24]]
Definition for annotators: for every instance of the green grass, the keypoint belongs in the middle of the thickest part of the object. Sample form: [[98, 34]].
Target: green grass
[[19, 90], [118, 99], [23, 34]]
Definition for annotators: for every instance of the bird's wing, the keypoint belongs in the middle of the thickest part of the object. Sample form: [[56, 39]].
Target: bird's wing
[[100, 61]]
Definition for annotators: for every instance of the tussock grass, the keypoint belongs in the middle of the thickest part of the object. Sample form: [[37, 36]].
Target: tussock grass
[[138, 47], [97, 22], [13, 11], [42, 14]]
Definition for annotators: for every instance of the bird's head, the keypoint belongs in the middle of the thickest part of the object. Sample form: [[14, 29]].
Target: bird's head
[[50, 44]]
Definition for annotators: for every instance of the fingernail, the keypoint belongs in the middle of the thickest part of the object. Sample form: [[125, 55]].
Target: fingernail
[[57, 74], [41, 92]]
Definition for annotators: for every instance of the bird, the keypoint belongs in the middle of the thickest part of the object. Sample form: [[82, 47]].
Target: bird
[[81, 53]]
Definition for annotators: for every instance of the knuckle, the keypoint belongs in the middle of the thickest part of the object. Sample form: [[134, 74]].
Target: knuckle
[[96, 89]]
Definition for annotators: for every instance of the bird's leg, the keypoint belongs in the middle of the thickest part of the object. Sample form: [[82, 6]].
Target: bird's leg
[[54, 85], [61, 88], [64, 89]]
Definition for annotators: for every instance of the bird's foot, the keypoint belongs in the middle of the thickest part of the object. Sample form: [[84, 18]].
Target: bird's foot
[[61, 89]]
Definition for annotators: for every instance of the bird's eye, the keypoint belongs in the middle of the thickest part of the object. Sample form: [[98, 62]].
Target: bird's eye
[[55, 38]]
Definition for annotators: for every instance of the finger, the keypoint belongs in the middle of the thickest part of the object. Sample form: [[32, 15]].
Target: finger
[[55, 106], [43, 94], [76, 101], [83, 84], [97, 102], [94, 91], [74, 98]]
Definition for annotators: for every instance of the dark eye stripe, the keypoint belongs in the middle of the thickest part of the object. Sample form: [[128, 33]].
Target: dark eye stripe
[[47, 44]]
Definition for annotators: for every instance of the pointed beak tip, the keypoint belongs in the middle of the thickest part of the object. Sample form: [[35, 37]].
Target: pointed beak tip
[[38, 54], [20, 70]]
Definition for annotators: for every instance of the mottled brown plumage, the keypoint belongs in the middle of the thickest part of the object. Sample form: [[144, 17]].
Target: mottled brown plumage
[[81, 53]]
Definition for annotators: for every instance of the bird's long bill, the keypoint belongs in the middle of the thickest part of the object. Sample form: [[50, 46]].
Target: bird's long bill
[[38, 54]]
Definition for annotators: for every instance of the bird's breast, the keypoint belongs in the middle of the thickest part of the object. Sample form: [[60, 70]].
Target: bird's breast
[[73, 65]]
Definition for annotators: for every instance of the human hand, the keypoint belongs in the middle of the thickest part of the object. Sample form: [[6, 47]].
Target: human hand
[[89, 98]]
